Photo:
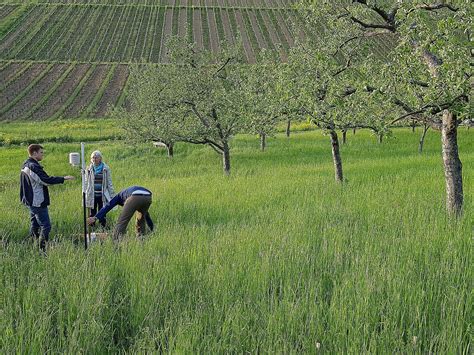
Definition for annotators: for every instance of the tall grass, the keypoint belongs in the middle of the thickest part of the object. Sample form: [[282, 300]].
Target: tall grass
[[276, 258]]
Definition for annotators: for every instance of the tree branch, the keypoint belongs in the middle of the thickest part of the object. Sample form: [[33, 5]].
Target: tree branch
[[224, 65], [197, 113], [365, 25], [433, 7]]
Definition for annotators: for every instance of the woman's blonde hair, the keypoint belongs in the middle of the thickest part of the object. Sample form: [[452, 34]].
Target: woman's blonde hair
[[95, 153]]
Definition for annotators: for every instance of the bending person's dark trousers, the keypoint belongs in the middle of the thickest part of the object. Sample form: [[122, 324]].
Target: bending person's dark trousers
[[135, 203], [40, 225]]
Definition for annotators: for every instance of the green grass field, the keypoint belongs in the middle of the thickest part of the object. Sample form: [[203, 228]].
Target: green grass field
[[276, 258]]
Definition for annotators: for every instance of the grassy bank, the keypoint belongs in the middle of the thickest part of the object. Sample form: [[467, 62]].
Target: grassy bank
[[275, 258]]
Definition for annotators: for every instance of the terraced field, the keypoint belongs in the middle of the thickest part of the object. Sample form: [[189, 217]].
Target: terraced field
[[68, 59]]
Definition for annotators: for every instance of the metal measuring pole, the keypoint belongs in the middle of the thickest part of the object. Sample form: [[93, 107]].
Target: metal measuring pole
[[83, 176]]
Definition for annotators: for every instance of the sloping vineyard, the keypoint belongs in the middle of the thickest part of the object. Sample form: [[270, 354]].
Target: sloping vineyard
[[70, 58], [69, 61], [215, 3], [128, 34], [47, 90]]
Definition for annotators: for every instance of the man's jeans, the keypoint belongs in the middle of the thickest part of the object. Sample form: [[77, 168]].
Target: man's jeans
[[40, 225]]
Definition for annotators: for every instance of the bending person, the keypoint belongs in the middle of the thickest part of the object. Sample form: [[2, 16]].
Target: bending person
[[99, 188], [133, 199]]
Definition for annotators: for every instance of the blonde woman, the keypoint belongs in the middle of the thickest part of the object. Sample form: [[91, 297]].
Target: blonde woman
[[99, 188]]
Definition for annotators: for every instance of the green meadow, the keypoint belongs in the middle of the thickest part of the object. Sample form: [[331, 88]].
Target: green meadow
[[275, 258]]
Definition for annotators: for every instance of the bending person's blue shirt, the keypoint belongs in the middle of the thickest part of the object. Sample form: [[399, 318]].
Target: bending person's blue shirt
[[121, 198]]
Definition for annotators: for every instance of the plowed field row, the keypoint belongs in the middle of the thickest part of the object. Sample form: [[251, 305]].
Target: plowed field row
[[41, 91], [126, 34], [219, 3]]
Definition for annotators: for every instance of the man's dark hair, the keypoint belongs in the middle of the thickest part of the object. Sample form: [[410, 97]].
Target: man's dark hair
[[32, 148]]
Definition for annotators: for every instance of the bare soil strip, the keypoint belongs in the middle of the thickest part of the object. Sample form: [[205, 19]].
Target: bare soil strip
[[227, 27], [88, 92], [213, 33], [286, 32], [277, 42], [183, 23], [256, 30], [36, 93], [9, 72], [245, 38], [167, 31], [197, 29], [113, 91], [20, 84], [62, 93]]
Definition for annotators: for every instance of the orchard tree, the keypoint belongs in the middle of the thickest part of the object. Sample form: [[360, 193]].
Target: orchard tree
[[259, 96], [320, 83], [144, 120], [196, 98], [427, 73]]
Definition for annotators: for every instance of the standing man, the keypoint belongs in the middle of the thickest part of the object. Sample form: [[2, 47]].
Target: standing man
[[35, 195], [133, 199]]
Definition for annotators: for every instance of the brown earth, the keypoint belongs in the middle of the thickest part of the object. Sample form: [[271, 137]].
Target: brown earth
[[213, 33], [167, 31], [62, 93], [257, 31], [227, 27], [274, 35], [113, 91], [21, 83], [36, 93], [245, 38], [197, 29], [9, 72], [88, 92], [183, 23]]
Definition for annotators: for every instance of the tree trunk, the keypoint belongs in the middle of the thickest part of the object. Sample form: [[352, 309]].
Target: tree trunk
[[263, 141], [288, 126], [413, 125], [344, 136], [226, 158], [380, 138], [422, 138], [336, 156], [170, 147], [353, 131], [452, 164]]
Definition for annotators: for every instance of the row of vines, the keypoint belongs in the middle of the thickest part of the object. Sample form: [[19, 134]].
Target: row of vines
[[137, 34], [34, 91]]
